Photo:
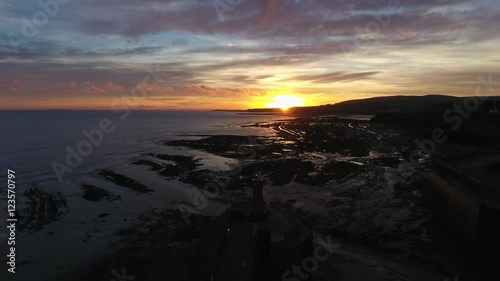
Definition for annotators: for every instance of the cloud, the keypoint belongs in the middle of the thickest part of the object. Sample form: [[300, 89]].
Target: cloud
[[105, 47], [275, 19], [93, 89], [10, 87], [67, 85], [113, 87], [270, 6], [334, 77], [46, 49]]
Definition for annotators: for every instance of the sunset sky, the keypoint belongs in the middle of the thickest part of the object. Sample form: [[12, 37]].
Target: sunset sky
[[236, 54]]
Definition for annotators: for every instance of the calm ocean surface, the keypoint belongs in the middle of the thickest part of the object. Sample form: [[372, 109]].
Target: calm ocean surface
[[32, 140]]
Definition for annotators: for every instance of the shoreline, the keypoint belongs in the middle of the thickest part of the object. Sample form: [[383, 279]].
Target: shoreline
[[359, 190]]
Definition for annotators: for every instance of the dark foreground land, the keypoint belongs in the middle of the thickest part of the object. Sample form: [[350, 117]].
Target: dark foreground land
[[351, 180]]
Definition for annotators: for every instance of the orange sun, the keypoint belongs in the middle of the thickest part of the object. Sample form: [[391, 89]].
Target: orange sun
[[285, 102]]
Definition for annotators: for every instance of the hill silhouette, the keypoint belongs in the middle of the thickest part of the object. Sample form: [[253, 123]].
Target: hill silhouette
[[374, 106]]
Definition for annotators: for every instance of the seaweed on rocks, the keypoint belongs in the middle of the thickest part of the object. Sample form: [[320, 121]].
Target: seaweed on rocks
[[230, 146], [125, 181], [94, 193], [184, 169], [43, 208]]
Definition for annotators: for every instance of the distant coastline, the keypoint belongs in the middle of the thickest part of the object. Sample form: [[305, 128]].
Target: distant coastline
[[374, 106]]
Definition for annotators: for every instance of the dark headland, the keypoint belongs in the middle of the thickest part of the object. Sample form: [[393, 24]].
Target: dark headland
[[373, 106]]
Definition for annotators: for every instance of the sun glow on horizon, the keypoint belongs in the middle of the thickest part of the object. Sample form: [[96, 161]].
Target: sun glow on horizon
[[285, 102]]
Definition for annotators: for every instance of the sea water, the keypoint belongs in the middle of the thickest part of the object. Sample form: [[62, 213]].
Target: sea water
[[32, 141]]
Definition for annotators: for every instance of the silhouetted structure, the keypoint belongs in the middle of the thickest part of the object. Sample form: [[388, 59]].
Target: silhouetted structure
[[466, 192], [260, 244]]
